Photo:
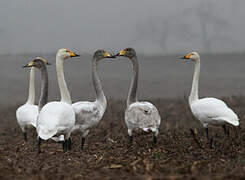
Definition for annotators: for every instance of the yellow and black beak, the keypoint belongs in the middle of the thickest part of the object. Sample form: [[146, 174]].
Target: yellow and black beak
[[107, 55], [30, 64], [121, 53], [186, 56], [72, 54]]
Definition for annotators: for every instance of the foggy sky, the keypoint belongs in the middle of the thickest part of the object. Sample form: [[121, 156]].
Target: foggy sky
[[150, 26]]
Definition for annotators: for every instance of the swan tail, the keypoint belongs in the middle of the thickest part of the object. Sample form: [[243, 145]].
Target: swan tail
[[47, 134], [151, 129], [59, 138], [234, 122]]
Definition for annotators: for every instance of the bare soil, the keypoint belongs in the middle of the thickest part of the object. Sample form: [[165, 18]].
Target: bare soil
[[108, 155]]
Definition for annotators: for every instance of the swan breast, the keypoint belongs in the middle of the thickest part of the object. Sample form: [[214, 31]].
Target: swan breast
[[27, 115]]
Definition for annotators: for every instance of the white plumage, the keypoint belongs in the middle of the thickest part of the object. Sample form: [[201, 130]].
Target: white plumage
[[58, 118], [26, 114], [209, 111]]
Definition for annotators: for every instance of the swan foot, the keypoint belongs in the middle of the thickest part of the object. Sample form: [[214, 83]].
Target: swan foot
[[25, 136], [83, 141], [39, 145]]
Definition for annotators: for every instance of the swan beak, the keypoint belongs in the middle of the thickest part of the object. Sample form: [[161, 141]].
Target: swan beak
[[186, 56], [30, 64], [107, 55], [121, 53], [181, 57], [72, 54]]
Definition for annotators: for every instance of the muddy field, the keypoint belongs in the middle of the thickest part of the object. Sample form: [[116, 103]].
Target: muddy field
[[108, 155]]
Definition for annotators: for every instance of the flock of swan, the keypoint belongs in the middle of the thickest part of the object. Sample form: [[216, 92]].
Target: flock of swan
[[58, 119]]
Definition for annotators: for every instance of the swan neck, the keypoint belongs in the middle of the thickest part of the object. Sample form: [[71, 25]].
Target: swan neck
[[194, 89], [44, 88], [64, 92], [31, 96], [100, 97], [132, 94]]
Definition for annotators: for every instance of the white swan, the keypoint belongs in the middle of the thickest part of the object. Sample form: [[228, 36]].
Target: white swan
[[89, 114], [57, 117], [26, 114], [208, 110], [139, 115]]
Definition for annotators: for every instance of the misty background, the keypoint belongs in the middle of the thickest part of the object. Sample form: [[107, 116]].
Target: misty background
[[156, 26], [159, 30]]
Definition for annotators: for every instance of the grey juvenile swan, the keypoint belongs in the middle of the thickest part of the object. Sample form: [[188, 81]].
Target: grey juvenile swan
[[89, 114], [139, 115]]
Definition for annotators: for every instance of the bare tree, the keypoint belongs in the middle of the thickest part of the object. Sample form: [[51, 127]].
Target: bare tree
[[206, 14]]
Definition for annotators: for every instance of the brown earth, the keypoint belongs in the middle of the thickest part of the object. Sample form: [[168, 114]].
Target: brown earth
[[107, 154]]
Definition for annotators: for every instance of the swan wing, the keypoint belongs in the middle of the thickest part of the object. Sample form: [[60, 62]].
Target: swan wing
[[143, 115], [88, 114], [213, 111]]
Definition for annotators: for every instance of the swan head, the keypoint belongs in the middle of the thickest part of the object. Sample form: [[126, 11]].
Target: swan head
[[38, 62], [193, 56], [127, 52], [102, 54], [65, 53]]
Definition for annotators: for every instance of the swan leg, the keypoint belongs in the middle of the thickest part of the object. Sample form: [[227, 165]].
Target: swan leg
[[39, 144], [211, 143], [69, 144], [33, 140], [25, 136], [226, 130], [206, 129], [64, 145], [155, 137], [84, 134], [130, 133], [83, 141]]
